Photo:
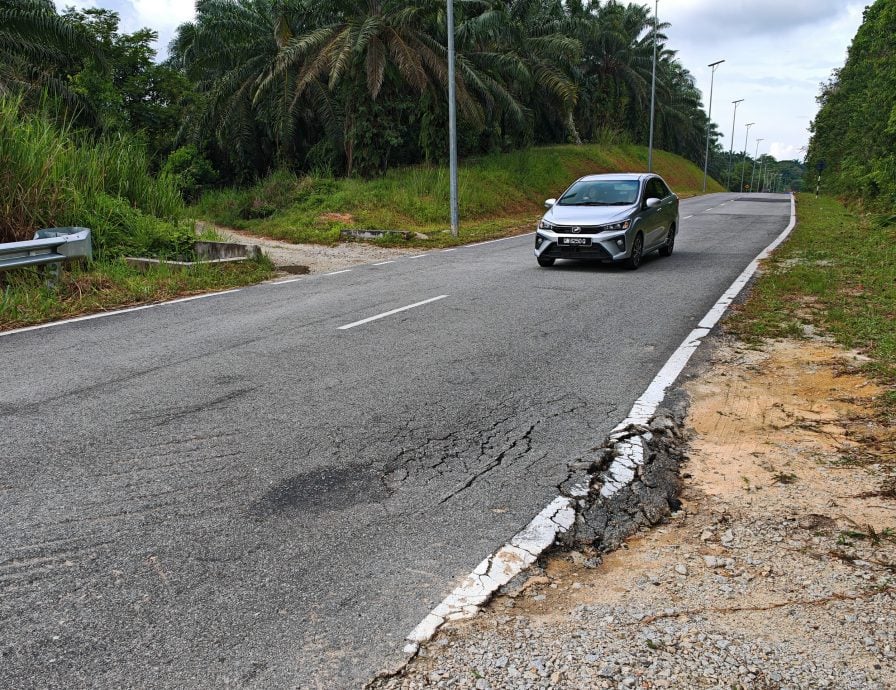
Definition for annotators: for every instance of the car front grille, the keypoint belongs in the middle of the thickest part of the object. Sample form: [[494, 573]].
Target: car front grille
[[595, 251], [586, 229]]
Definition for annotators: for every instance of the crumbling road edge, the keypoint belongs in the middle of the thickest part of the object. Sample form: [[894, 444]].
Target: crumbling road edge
[[632, 483]]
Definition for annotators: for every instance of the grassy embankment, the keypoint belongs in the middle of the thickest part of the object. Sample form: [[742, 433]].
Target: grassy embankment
[[51, 176], [837, 272], [499, 195]]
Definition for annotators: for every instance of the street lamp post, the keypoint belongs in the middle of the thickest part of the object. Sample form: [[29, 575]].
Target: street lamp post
[[743, 167], [652, 90], [712, 79], [731, 150], [753, 171], [452, 122]]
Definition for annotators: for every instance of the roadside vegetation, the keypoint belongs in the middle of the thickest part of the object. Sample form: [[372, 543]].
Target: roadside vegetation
[[834, 276], [51, 176], [26, 300], [853, 147], [498, 195]]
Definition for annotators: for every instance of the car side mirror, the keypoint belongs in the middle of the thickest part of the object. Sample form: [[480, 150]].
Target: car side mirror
[[652, 202], [550, 203]]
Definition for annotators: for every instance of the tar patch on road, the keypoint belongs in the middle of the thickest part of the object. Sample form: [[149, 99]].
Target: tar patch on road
[[321, 490]]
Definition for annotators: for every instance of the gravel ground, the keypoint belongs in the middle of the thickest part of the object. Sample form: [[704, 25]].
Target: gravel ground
[[783, 582], [317, 257]]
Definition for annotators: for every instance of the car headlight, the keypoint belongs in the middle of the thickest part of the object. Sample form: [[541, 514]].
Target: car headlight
[[624, 225], [544, 225]]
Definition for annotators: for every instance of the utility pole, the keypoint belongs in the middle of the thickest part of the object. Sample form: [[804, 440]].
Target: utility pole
[[712, 79], [743, 167], [652, 90], [753, 171], [731, 150], [452, 122]]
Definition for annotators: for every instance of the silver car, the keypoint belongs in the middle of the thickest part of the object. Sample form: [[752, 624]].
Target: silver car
[[618, 217]]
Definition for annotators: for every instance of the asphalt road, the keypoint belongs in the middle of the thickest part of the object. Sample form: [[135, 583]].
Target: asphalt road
[[234, 491]]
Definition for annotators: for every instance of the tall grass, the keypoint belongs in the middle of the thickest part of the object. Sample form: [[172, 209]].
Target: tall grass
[[51, 177]]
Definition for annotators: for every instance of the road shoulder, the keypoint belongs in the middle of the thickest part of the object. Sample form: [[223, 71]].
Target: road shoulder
[[779, 569]]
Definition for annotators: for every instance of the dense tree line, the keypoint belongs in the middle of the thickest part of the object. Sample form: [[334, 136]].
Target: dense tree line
[[350, 86], [853, 144]]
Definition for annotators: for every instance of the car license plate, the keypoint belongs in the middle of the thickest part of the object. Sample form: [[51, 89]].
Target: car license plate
[[579, 241]]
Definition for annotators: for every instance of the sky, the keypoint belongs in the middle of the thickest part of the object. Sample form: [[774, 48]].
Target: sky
[[776, 54]]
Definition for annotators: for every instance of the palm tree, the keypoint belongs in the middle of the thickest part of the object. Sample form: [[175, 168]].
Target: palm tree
[[519, 57], [361, 47], [228, 51], [37, 46]]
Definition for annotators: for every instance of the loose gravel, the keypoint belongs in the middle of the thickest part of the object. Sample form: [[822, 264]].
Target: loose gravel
[[773, 584], [317, 258]]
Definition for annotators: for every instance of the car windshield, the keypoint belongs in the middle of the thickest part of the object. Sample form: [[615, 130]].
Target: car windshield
[[601, 193]]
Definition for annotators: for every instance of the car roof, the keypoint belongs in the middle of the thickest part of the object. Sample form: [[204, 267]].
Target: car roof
[[619, 176]]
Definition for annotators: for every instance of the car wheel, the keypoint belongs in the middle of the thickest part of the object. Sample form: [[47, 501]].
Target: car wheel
[[637, 253], [545, 261], [666, 249]]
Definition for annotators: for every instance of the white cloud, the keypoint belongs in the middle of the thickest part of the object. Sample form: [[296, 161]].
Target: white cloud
[[167, 14], [719, 21], [776, 54], [785, 152]]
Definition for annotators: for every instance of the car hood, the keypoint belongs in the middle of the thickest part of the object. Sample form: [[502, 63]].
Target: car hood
[[587, 215]]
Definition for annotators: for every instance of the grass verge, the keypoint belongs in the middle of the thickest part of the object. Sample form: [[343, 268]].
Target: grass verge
[[107, 285], [499, 195], [836, 273]]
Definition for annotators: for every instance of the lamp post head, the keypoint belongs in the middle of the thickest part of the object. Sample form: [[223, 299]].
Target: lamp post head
[[715, 64]]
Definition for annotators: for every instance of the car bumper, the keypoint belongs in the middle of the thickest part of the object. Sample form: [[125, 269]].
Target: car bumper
[[605, 246]]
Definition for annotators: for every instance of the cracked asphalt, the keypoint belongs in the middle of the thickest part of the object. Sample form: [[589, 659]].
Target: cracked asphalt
[[231, 492]]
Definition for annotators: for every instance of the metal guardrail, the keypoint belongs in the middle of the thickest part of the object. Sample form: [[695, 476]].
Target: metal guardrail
[[49, 246]]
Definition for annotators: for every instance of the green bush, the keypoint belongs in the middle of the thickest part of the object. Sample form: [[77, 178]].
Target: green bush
[[192, 172], [120, 229], [52, 177]]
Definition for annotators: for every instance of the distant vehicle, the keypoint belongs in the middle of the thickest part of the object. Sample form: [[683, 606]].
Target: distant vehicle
[[618, 217]]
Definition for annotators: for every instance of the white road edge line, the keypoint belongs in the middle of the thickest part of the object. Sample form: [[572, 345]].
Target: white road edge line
[[383, 263], [558, 516], [686, 217], [336, 273], [287, 282], [500, 239], [418, 256], [101, 315], [390, 313]]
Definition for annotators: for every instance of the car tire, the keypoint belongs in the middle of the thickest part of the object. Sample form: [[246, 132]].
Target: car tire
[[666, 249], [545, 261], [636, 254]]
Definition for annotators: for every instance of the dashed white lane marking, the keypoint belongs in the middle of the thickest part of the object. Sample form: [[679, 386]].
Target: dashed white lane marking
[[418, 256], [287, 282], [453, 249], [336, 273], [383, 263], [686, 217], [104, 314], [390, 313], [558, 516]]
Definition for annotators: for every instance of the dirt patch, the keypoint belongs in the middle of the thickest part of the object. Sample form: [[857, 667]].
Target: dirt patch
[[794, 422], [318, 258], [336, 218], [786, 434]]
